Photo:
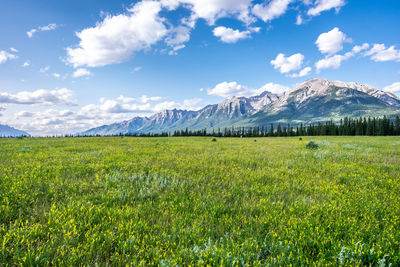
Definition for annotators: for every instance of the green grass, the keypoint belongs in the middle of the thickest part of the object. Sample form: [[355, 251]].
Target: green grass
[[191, 201]]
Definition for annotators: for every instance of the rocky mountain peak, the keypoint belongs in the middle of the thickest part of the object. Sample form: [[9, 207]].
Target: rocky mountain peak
[[314, 100]]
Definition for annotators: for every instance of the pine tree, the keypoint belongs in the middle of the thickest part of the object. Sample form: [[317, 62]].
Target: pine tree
[[271, 130], [397, 125], [279, 130]]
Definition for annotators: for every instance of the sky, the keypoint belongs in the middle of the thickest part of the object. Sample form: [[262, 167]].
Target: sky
[[68, 65]]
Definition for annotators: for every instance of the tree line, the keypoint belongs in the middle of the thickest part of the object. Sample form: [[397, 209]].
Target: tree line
[[347, 126], [369, 126]]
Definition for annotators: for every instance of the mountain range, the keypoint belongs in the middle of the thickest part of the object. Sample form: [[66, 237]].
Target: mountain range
[[8, 131], [316, 100]]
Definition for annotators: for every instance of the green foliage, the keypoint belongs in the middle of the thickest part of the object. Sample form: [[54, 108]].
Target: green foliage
[[188, 201], [312, 145]]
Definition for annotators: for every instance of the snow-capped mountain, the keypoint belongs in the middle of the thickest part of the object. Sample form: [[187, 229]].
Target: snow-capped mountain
[[316, 100], [8, 131]]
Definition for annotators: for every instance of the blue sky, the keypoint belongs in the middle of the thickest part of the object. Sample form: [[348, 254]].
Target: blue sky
[[66, 66]]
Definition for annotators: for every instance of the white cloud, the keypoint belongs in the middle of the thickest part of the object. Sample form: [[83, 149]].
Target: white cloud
[[335, 61], [331, 42], [176, 37], [26, 64], [299, 20], [24, 114], [229, 89], [324, 5], [380, 53], [56, 75], [50, 27], [143, 99], [228, 35], [116, 38], [302, 73], [81, 72], [136, 69], [212, 10], [44, 69], [394, 88], [4, 56], [288, 64], [12, 49], [330, 62], [39, 97], [273, 88], [273, 10], [359, 48]]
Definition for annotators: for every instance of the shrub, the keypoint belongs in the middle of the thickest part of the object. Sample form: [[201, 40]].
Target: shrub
[[300, 139], [312, 145], [214, 140]]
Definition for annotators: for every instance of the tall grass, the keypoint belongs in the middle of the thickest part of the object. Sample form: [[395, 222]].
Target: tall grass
[[189, 201]]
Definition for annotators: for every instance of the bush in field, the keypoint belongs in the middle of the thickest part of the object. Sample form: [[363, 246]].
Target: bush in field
[[214, 140], [312, 145]]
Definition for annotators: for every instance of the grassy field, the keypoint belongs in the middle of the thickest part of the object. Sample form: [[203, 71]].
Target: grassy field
[[190, 201]]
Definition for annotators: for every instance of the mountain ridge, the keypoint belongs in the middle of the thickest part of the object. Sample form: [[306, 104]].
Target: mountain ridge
[[315, 100], [8, 131]]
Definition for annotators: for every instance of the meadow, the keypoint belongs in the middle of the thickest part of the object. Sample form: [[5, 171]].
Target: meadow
[[190, 201]]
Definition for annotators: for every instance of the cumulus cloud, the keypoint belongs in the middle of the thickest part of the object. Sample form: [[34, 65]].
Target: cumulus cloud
[[212, 10], [26, 64], [380, 53], [229, 89], [56, 75], [331, 42], [116, 38], [273, 88], [229, 35], [50, 27], [359, 48], [81, 72], [393, 88], [288, 64], [324, 5], [4, 56], [302, 73], [331, 62], [273, 10], [39, 97], [335, 61]]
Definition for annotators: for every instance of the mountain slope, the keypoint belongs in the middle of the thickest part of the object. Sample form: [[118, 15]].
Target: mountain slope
[[316, 100], [8, 131], [320, 100]]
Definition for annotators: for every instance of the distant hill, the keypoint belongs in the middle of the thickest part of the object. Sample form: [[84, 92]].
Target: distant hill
[[316, 100], [8, 131]]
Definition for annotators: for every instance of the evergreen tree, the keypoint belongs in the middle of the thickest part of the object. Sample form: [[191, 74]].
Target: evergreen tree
[[279, 130], [271, 130]]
